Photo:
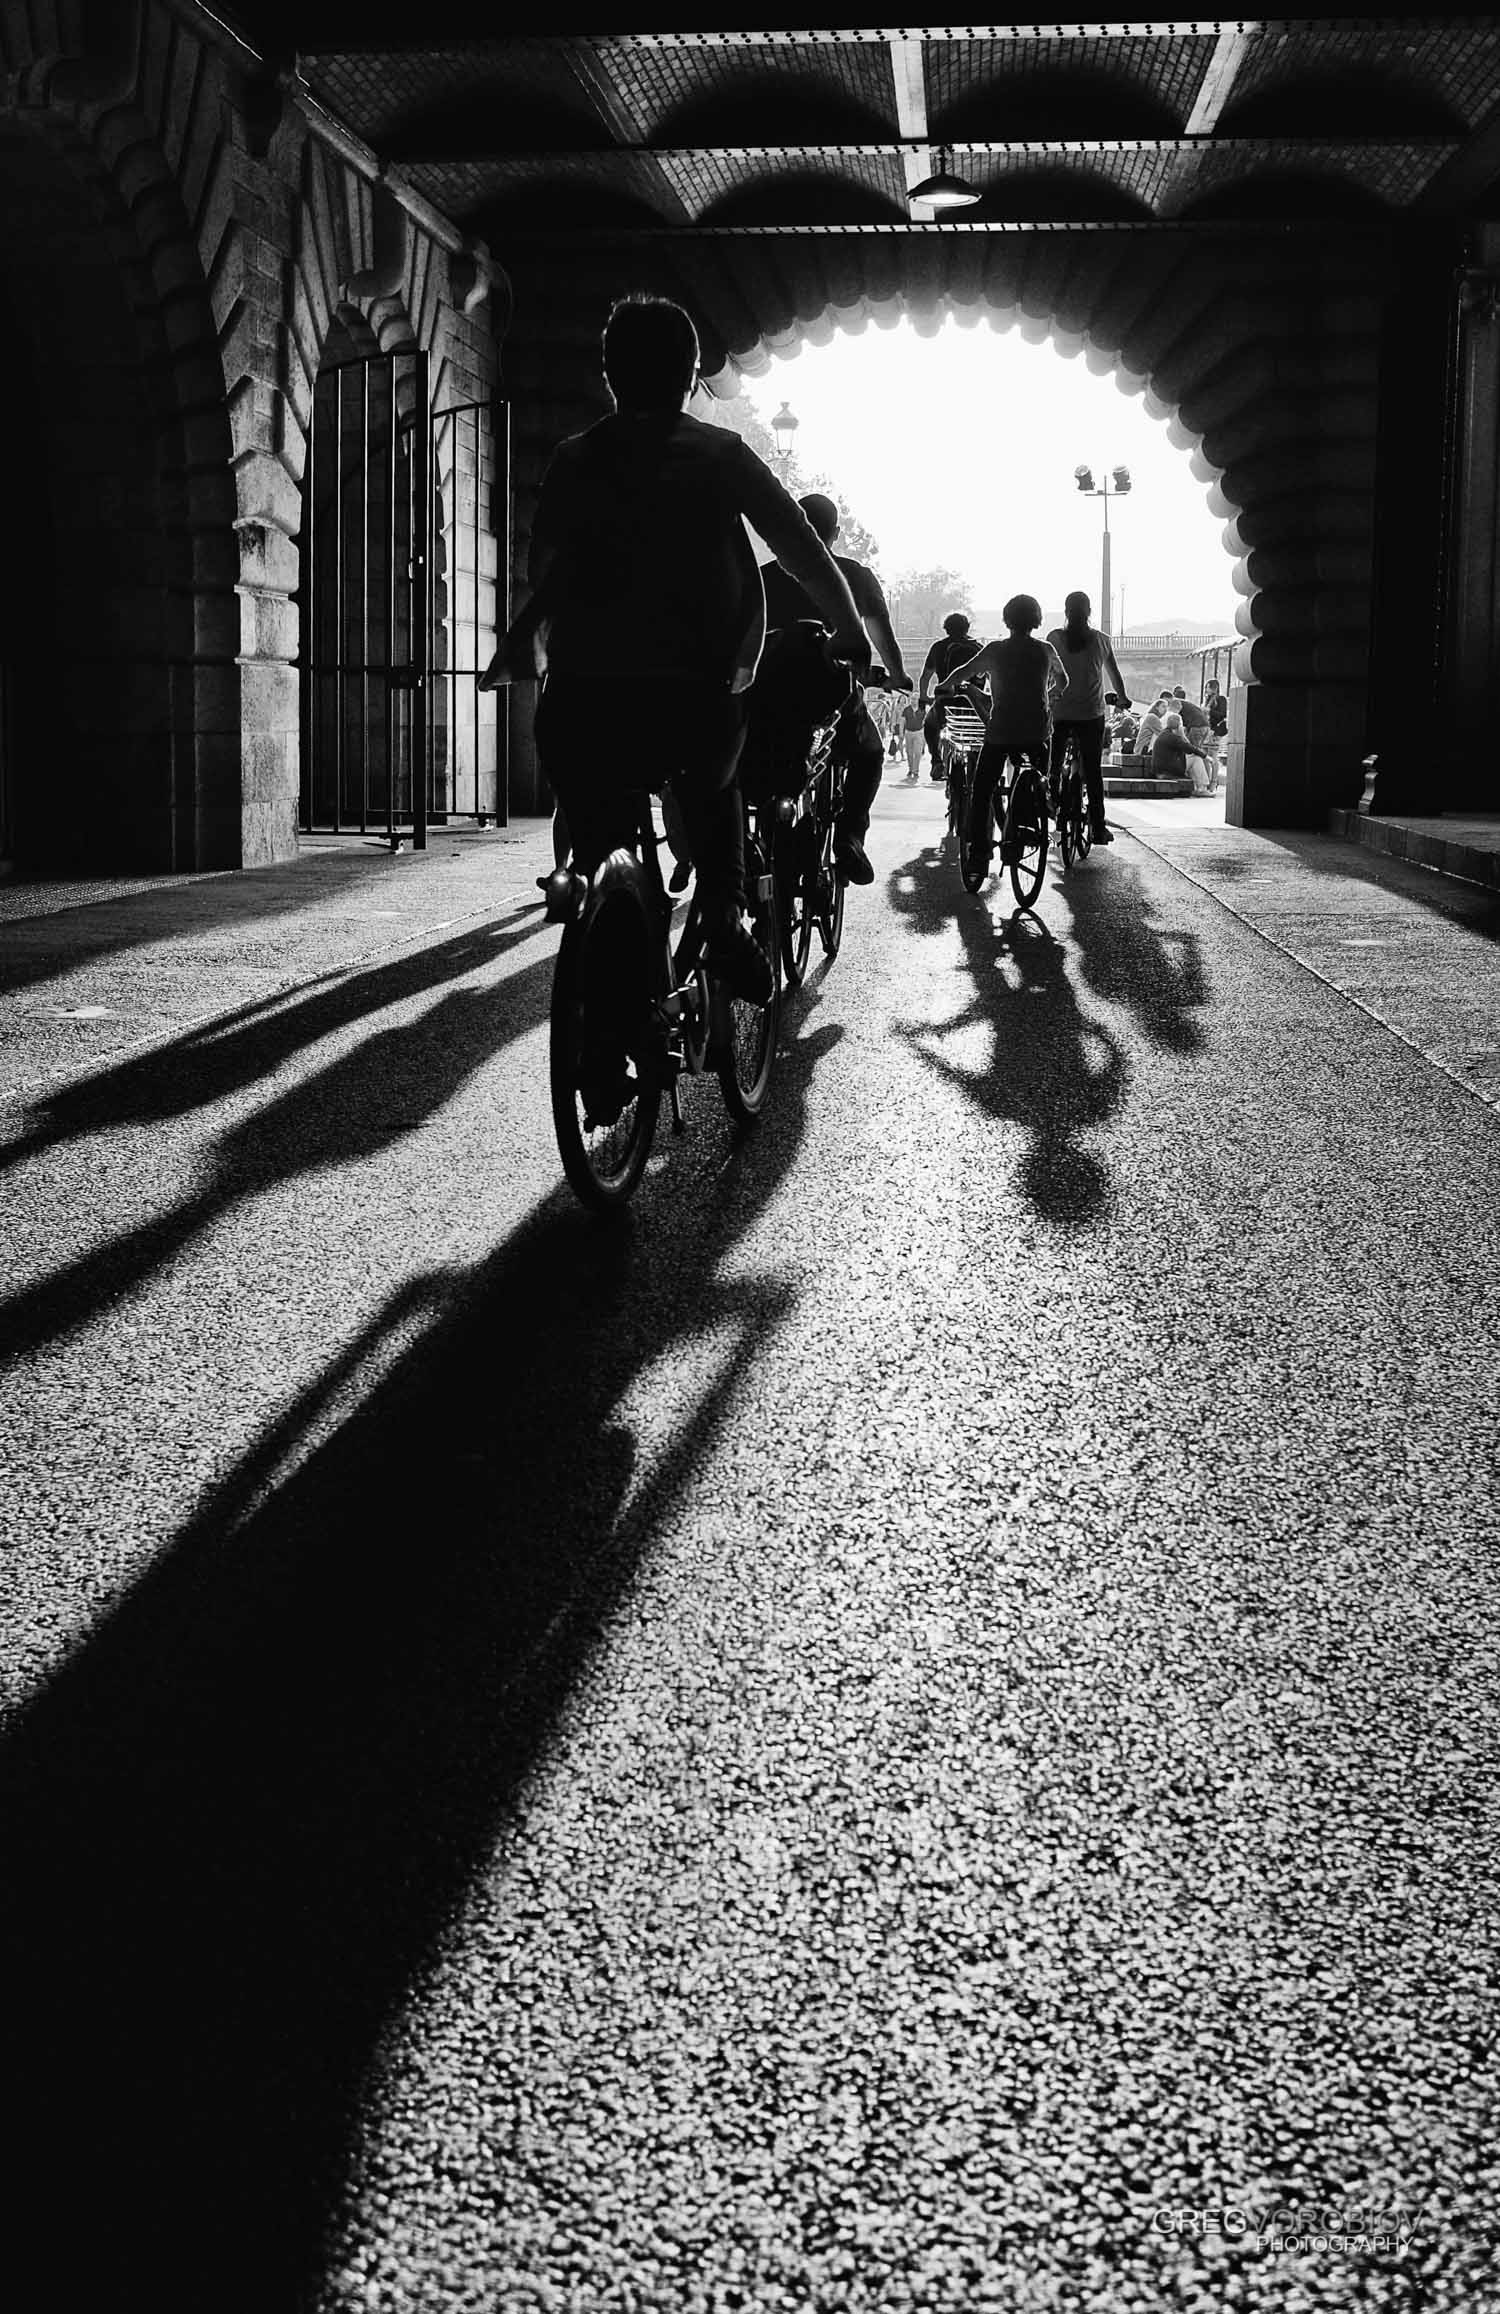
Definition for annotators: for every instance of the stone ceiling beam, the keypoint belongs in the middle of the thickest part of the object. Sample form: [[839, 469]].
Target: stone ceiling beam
[[1229, 54], [909, 76]]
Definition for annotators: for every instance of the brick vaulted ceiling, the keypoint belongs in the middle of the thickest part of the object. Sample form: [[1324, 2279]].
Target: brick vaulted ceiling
[[663, 132]]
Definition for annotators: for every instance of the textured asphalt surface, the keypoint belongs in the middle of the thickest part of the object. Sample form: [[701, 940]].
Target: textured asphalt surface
[[913, 1728]]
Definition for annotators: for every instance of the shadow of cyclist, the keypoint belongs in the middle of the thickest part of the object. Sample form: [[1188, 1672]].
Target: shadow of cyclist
[[207, 1063], [1038, 1061], [248, 1805], [1130, 958]]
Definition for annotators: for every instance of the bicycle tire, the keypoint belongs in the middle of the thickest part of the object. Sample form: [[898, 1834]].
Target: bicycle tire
[[972, 875], [958, 799], [833, 892], [1083, 842], [795, 892], [608, 947], [1067, 825], [747, 1048], [1026, 828]]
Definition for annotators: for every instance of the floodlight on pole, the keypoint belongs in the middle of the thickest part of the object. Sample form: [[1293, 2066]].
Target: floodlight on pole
[[1116, 484]]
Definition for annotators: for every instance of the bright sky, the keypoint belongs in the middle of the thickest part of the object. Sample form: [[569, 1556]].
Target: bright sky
[[960, 449]]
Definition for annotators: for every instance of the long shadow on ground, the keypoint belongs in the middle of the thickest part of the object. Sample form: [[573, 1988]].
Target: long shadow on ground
[[42, 947], [384, 1087], [240, 1814], [1048, 1066]]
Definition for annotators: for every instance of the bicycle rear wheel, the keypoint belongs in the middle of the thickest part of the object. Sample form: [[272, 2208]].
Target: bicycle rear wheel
[[746, 1051], [1026, 829], [1067, 823], [832, 892], [1083, 837], [605, 1077], [796, 890]]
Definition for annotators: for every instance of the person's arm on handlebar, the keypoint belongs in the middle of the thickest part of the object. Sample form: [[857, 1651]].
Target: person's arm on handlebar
[[871, 604], [786, 530], [971, 670]]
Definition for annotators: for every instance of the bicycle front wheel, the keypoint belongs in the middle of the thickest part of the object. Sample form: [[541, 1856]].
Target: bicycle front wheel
[[747, 1047], [973, 866], [605, 1079], [958, 801], [1026, 829]]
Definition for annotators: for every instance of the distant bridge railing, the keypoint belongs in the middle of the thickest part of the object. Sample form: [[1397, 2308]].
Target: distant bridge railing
[[1166, 643]]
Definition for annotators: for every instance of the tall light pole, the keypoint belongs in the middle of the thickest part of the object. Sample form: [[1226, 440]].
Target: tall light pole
[[784, 425], [1120, 477]]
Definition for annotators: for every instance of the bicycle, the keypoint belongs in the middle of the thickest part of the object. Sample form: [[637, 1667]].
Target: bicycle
[[1068, 805], [809, 890], [959, 744], [1023, 833], [632, 1014], [799, 775]]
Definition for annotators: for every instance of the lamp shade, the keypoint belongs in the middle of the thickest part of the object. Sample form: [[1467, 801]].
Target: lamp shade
[[944, 190]]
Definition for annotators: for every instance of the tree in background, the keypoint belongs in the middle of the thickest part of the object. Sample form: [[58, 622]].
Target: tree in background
[[741, 417], [921, 599]]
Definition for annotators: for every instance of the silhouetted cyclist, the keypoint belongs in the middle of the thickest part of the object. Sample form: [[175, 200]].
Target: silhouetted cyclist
[[649, 614], [1025, 676], [1079, 711], [954, 645], [859, 740]]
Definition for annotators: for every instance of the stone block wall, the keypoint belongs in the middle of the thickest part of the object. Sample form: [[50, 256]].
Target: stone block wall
[[176, 246]]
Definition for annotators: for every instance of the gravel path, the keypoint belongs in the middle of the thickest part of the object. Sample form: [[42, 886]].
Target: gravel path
[[914, 1728]]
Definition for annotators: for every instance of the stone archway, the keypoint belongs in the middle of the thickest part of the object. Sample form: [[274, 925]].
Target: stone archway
[[1044, 329], [1264, 358]]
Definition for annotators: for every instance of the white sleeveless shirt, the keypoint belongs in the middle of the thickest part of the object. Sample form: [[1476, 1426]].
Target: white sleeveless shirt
[[1083, 700]]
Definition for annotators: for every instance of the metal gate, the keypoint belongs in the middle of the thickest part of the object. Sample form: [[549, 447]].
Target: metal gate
[[469, 562], [404, 583]]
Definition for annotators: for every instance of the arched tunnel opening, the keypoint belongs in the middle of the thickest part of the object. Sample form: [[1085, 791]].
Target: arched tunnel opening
[[1270, 389], [955, 448]]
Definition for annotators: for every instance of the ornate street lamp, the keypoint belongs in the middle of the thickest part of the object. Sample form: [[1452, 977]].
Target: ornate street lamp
[[784, 425], [1115, 485]]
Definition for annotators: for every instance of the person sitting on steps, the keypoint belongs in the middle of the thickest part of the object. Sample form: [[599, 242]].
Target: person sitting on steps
[[1024, 677], [859, 740]]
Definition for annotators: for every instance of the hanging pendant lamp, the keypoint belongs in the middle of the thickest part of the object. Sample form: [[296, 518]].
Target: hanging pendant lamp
[[944, 190]]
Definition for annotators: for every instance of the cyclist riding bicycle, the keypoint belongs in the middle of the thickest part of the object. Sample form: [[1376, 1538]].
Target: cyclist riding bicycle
[[1079, 714], [954, 646], [648, 615], [861, 748], [1024, 677]]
